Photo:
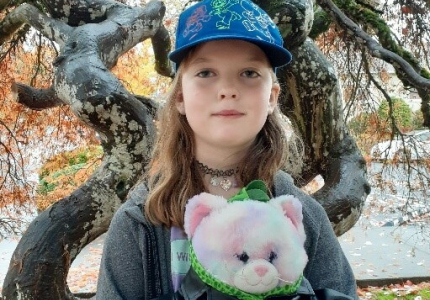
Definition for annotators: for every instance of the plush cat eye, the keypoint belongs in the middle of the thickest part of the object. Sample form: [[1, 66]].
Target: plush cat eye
[[243, 257], [272, 256]]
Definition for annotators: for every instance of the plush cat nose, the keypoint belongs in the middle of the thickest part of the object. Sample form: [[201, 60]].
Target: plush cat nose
[[260, 270]]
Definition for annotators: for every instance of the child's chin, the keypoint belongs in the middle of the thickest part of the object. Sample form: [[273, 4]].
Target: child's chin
[[235, 141]]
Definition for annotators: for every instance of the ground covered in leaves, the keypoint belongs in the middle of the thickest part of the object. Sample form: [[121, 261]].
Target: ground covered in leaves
[[406, 291]]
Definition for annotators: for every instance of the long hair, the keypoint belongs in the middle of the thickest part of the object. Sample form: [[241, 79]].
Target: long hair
[[173, 175]]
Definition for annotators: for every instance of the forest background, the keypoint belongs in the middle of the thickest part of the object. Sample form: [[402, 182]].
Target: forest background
[[32, 137]]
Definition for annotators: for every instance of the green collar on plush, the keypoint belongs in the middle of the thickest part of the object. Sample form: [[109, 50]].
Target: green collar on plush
[[223, 287], [255, 190]]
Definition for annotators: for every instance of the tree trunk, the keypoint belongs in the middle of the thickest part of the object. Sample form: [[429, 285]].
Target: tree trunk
[[41, 261], [124, 122], [313, 101]]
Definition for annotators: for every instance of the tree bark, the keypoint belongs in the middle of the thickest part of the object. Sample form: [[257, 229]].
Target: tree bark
[[124, 122], [313, 101], [43, 257], [36, 99], [311, 98], [41, 261]]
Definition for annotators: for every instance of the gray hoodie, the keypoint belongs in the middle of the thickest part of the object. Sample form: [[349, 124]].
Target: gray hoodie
[[136, 257]]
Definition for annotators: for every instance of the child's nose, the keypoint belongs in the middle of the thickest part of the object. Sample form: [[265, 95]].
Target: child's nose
[[228, 93]]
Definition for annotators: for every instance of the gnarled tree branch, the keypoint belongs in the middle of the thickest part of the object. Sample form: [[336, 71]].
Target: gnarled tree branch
[[28, 14], [36, 99], [125, 125], [314, 102], [373, 46], [407, 67]]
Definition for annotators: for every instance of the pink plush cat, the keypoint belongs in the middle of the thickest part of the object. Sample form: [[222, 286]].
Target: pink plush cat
[[251, 245]]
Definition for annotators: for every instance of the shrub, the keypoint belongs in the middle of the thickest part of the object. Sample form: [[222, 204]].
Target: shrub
[[64, 172], [402, 114]]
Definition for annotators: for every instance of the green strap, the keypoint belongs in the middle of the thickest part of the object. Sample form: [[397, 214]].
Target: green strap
[[223, 287]]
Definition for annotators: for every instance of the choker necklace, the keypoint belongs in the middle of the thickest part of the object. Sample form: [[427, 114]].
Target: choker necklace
[[218, 177]]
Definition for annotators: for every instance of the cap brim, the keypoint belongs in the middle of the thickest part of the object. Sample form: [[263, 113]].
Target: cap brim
[[277, 55]]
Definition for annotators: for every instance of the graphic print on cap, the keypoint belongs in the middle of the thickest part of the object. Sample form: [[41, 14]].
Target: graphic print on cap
[[227, 15], [194, 22]]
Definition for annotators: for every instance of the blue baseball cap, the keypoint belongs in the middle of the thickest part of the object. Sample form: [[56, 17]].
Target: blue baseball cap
[[211, 20]]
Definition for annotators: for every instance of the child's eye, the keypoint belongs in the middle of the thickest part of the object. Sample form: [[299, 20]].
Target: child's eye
[[250, 74], [205, 73]]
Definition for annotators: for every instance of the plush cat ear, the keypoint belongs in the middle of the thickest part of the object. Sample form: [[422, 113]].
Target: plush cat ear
[[198, 208], [292, 208]]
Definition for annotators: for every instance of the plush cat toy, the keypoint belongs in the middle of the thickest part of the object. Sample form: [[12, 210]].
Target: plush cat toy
[[247, 247]]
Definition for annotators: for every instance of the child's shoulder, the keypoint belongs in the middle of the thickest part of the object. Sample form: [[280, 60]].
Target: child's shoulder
[[132, 208]]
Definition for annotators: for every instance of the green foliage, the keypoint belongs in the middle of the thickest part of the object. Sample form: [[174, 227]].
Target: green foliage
[[80, 158], [64, 172], [45, 187], [76, 160], [43, 174], [402, 113], [425, 73], [321, 23], [71, 170]]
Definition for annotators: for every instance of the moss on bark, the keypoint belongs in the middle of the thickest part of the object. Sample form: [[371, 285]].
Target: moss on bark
[[321, 24], [364, 16]]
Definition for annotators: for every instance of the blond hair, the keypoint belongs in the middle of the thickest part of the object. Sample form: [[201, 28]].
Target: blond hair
[[173, 175]]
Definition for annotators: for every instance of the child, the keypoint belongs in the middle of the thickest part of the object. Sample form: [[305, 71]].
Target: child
[[220, 129]]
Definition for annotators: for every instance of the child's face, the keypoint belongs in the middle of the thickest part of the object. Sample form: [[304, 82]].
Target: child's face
[[228, 90]]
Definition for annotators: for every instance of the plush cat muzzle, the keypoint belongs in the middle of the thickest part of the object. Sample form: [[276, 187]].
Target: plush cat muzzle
[[258, 276]]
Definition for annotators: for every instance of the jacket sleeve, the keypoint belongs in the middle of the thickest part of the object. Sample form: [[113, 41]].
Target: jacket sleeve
[[328, 266], [121, 269]]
